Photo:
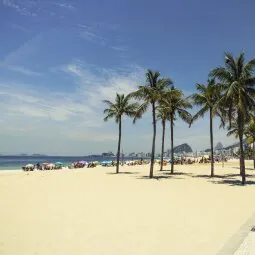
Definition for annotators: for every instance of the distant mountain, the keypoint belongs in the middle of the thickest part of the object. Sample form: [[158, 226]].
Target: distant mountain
[[182, 148], [219, 146], [107, 154], [38, 155], [28, 155], [236, 145]]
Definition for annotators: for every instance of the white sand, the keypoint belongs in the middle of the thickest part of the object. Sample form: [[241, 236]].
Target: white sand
[[94, 212]]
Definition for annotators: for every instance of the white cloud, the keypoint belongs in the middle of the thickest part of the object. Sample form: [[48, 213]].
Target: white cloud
[[98, 34], [22, 7], [74, 116], [17, 56], [100, 83], [20, 69], [35, 8], [65, 6], [18, 27], [92, 37], [119, 48]]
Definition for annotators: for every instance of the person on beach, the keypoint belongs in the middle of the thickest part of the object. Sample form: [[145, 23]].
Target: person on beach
[[38, 166]]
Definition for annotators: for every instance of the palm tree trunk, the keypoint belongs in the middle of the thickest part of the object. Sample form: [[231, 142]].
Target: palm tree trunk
[[254, 152], [163, 143], [118, 151], [242, 161], [153, 139], [211, 137], [172, 144]]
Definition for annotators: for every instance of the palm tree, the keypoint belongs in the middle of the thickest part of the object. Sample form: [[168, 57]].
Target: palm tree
[[150, 94], [237, 80], [122, 106], [162, 115], [176, 106], [206, 98]]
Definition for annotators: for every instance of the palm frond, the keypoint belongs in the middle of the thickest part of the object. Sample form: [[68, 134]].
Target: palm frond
[[140, 111], [221, 74], [200, 113]]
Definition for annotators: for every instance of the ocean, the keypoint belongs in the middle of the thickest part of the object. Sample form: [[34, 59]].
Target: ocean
[[16, 162]]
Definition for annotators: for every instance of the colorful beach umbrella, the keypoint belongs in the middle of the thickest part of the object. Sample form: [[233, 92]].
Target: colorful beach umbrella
[[83, 162]]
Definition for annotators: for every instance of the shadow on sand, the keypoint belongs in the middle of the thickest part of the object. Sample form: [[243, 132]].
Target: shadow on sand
[[233, 182], [177, 173], [206, 176], [225, 176], [246, 168], [123, 173], [166, 175], [229, 179], [158, 178]]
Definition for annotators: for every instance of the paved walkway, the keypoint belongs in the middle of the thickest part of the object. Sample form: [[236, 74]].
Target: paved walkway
[[242, 242], [248, 245]]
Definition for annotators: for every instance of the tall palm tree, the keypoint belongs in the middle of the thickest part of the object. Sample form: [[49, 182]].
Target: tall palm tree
[[238, 84], [150, 94], [176, 105], [162, 115], [206, 98], [122, 106]]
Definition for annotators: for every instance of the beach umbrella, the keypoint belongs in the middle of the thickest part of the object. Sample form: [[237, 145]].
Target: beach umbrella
[[82, 162], [45, 163], [58, 163], [29, 165]]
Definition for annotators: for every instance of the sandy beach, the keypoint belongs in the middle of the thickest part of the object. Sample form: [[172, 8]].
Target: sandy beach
[[95, 212]]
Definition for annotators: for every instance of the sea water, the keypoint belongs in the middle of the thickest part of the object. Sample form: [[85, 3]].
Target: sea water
[[17, 162]]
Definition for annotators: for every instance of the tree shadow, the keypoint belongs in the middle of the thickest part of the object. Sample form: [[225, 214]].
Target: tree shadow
[[178, 174], [208, 176], [161, 177], [225, 176], [233, 182], [123, 173], [246, 168], [238, 175]]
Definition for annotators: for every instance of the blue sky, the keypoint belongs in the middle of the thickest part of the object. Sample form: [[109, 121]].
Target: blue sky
[[60, 59]]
